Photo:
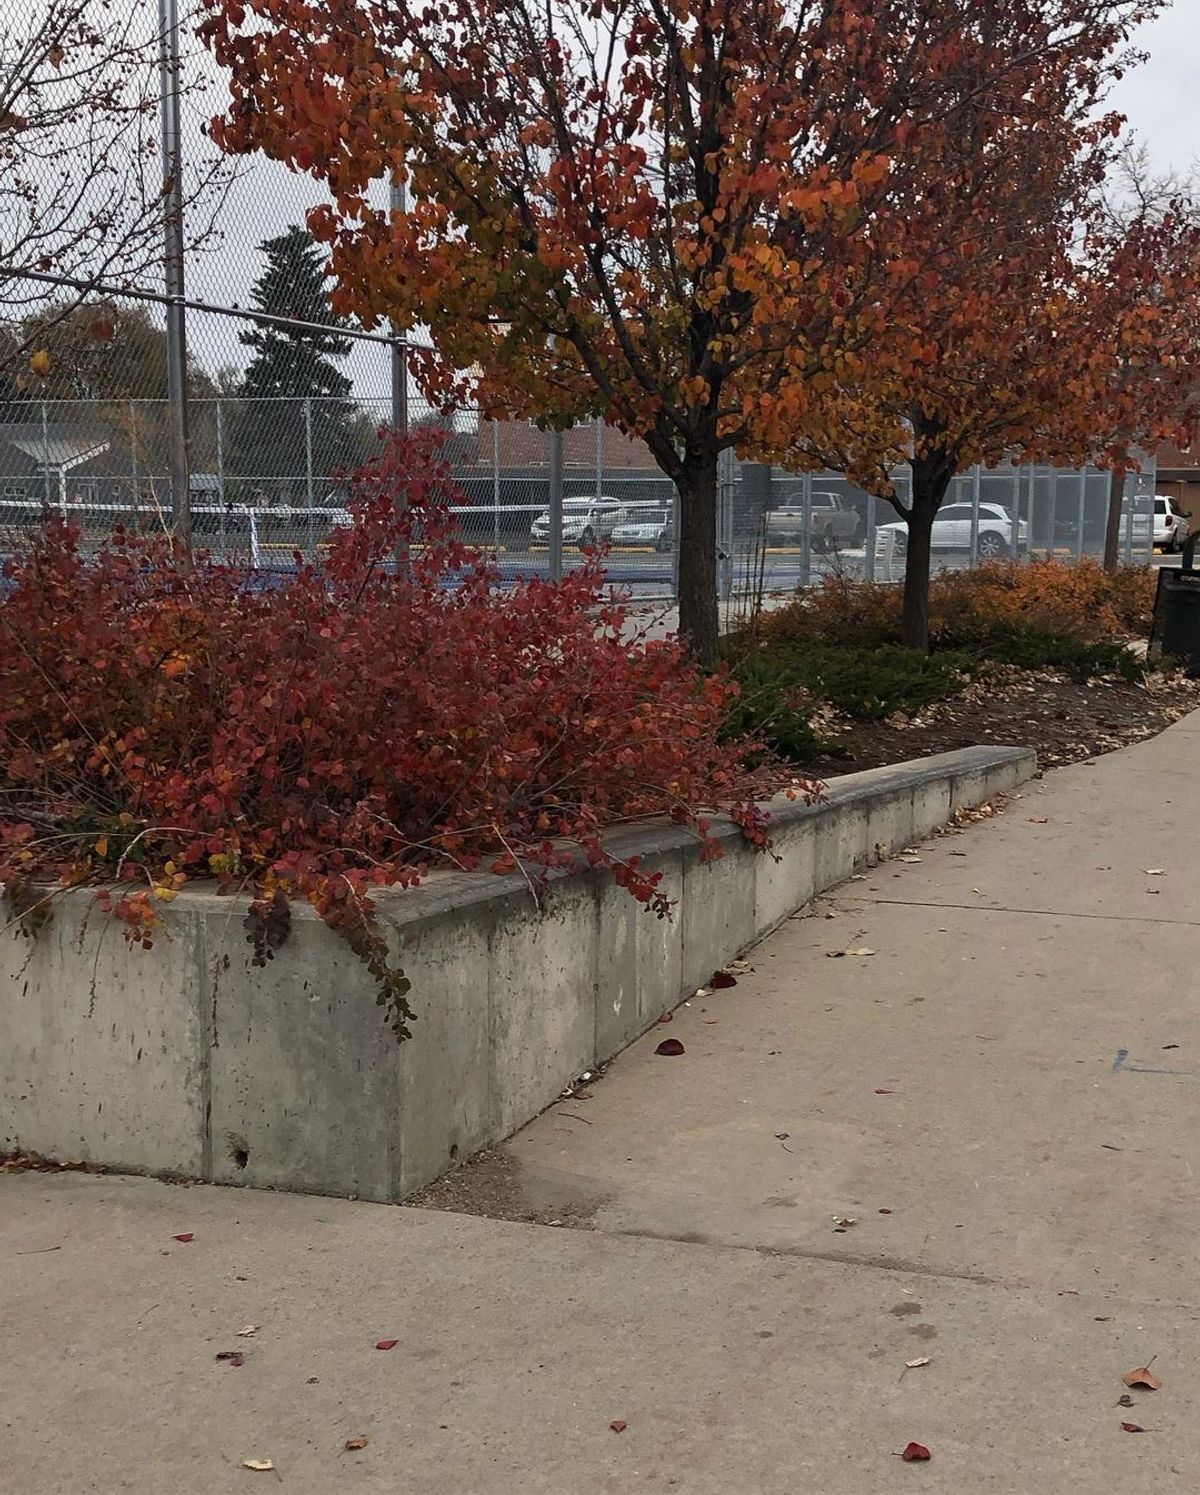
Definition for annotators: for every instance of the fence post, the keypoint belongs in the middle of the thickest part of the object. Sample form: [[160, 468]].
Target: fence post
[[220, 413], [1082, 513], [870, 532], [496, 484], [172, 166], [556, 504], [976, 489], [599, 459], [806, 535], [309, 498], [1029, 502]]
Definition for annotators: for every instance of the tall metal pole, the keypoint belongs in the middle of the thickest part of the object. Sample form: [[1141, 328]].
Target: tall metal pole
[[172, 162], [398, 201], [556, 505]]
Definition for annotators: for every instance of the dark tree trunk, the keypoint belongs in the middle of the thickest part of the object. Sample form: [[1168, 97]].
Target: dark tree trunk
[[698, 555], [1112, 528], [930, 480]]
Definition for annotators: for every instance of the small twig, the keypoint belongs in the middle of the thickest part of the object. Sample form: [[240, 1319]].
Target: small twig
[[571, 1116], [41, 1251]]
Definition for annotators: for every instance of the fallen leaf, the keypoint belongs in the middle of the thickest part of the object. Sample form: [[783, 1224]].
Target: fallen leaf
[[386, 1344], [1143, 1378], [844, 1221], [860, 950], [916, 1364], [885, 1092], [740, 966], [885, 1211], [722, 981], [352, 1445], [670, 1048], [1106, 1320], [258, 1464], [916, 1453], [1155, 871], [910, 860], [1131, 1427], [618, 1426], [1039, 820], [782, 1136], [235, 1357], [248, 1330], [1170, 1046], [186, 1237], [831, 913], [667, 1017], [1125, 1401]]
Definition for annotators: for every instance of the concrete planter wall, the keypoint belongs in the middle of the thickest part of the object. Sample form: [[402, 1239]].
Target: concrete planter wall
[[186, 1060]]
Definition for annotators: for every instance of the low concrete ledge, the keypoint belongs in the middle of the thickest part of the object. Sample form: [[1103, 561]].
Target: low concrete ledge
[[186, 1060]]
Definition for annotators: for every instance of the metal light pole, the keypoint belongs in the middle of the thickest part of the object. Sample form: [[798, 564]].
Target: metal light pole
[[555, 455], [398, 201], [172, 162]]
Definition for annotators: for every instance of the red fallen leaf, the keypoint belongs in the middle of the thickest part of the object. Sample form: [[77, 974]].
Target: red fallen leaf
[[669, 1048], [885, 1211], [235, 1357], [618, 1426], [667, 1017], [186, 1237], [721, 980], [916, 1453], [387, 1344], [1143, 1377], [1132, 1427]]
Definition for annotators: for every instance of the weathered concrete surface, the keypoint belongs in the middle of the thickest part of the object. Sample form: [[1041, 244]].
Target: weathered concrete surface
[[965, 1077], [188, 1060], [752, 1350]]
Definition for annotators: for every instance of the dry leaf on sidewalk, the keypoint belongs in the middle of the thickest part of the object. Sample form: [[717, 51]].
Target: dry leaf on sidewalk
[[618, 1425], [386, 1344], [248, 1330], [1143, 1378], [1131, 1427], [352, 1445], [916, 1453], [258, 1464], [234, 1357], [187, 1237], [722, 981], [1155, 871], [670, 1048], [916, 1364], [856, 950]]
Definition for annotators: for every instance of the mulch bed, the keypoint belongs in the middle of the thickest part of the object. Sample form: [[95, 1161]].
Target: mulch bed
[[1065, 721]]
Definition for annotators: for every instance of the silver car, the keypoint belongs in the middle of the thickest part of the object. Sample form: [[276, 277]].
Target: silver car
[[953, 524], [585, 522]]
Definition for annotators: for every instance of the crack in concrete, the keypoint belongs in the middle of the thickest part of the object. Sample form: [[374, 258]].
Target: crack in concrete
[[1040, 913], [895, 1264]]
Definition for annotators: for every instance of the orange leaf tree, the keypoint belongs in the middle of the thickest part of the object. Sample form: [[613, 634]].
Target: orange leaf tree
[[1003, 346], [678, 215]]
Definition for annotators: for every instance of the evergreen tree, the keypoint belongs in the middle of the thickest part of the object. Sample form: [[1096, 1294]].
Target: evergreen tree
[[291, 366]]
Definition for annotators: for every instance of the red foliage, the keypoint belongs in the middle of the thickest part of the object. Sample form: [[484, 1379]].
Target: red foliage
[[348, 730]]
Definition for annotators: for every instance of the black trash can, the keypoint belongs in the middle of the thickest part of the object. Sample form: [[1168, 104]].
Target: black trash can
[[1176, 630]]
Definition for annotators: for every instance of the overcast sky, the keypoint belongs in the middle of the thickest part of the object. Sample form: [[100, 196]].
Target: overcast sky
[[1162, 98]]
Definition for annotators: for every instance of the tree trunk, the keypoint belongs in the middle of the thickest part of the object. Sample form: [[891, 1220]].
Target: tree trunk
[[698, 556], [929, 484], [1112, 528]]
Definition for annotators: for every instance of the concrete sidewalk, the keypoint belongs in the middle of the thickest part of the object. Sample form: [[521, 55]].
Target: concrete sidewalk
[[1004, 1098]]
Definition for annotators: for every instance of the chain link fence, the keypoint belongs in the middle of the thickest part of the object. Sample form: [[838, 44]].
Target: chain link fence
[[283, 400]]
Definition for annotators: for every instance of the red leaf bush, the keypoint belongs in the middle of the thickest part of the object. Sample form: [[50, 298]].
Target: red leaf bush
[[346, 730]]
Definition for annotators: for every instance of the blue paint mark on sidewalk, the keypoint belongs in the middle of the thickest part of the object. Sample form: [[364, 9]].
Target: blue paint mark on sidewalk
[[1121, 1062]]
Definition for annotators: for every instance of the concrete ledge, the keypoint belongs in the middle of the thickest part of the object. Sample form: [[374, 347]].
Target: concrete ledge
[[187, 1060]]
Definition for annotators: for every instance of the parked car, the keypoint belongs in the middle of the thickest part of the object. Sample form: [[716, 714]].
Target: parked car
[[655, 527], [833, 523], [952, 530], [586, 521], [1171, 527]]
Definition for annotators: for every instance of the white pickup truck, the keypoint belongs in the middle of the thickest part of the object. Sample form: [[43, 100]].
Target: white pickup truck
[[833, 524]]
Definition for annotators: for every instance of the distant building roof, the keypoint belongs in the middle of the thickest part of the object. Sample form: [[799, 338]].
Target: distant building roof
[[54, 445]]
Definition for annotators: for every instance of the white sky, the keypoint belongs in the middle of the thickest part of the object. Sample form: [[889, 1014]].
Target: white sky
[[1162, 98]]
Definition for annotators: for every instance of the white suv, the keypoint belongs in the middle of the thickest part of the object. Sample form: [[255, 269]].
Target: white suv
[[586, 521], [1171, 527]]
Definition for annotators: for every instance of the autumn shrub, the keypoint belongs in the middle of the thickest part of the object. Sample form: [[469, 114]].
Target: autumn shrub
[[975, 609], [349, 729]]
